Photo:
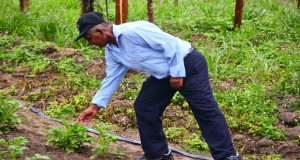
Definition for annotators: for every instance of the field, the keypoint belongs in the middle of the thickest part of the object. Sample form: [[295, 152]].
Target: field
[[254, 72]]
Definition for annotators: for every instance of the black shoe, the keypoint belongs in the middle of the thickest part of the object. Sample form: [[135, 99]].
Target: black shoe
[[236, 157], [167, 156]]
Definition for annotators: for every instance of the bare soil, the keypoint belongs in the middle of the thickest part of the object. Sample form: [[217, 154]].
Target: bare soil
[[34, 128]]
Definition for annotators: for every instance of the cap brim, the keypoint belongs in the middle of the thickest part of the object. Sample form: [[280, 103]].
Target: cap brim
[[86, 29]]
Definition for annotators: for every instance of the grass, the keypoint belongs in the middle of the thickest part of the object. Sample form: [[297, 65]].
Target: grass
[[259, 63]]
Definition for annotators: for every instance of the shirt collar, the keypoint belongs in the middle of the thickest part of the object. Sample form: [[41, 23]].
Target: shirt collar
[[116, 31]]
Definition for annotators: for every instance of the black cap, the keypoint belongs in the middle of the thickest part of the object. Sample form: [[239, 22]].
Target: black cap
[[88, 21]]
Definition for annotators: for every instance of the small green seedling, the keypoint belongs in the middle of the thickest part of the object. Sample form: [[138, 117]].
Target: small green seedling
[[39, 157], [103, 142]]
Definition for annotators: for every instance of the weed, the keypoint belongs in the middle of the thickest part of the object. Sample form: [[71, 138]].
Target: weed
[[131, 86], [60, 110], [179, 100], [175, 134], [250, 110], [194, 144]]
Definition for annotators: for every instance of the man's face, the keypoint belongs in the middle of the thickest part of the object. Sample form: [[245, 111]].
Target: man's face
[[97, 38]]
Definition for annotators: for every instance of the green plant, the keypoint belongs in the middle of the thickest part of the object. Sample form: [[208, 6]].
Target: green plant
[[60, 110], [272, 157], [179, 100], [70, 138], [103, 142], [194, 144], [12, 148], [38, 157], [7, 109], [175, 134], [250, 110], [298, 140]]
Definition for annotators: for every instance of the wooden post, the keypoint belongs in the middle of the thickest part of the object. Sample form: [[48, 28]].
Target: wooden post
[[238, 13], [150, 11], [121, 11], [87, 6], [298, 4], [176, 2], [24, 5]]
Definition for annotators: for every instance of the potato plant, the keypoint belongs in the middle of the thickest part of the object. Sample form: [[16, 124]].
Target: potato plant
[[12, 149], [7, 109], [71, 138], [102, 146]]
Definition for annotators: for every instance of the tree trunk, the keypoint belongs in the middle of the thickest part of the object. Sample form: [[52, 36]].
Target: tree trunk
[[150, 11], [24, 5], [176, 2], [298, 4], [121, 11], [238, 13], [87, 6]]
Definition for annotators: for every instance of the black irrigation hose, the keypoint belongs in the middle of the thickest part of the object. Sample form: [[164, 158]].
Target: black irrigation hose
[[33, 109]]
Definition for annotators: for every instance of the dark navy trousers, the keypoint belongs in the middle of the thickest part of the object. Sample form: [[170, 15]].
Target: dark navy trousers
[[156, 95]]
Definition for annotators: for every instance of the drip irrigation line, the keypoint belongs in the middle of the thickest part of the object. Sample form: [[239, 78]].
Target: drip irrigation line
[[33, 109]]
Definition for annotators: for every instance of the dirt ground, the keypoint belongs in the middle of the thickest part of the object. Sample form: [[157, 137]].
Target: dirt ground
[[34, 128]]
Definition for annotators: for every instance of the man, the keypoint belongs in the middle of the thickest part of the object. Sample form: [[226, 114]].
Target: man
[[173, 65]]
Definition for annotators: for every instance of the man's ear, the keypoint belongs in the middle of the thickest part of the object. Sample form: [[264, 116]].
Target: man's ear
[[99, 31]]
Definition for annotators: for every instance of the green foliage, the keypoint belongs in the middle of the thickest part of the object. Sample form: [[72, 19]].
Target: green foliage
[[66, 65], [250, 68], [131, 86], [71, 138], [179, 100], [194, 144], [12, 149], [298, 140], [102, 146], [38, 157], [175, 134], [250, 110], [7, 109], [272, 157], [191, 142], [60, 110]]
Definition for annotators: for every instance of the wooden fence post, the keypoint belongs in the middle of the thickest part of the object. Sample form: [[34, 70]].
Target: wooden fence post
[[24, 5], [298, 4], [176, 2], [87, 6], [121, 11], [150, 10], [238, 13]]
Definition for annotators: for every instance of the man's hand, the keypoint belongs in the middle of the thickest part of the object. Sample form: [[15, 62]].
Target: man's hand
[[176, 82], [88, 114]]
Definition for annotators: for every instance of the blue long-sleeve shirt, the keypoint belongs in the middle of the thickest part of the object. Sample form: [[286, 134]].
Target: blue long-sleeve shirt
[[144, 47]]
